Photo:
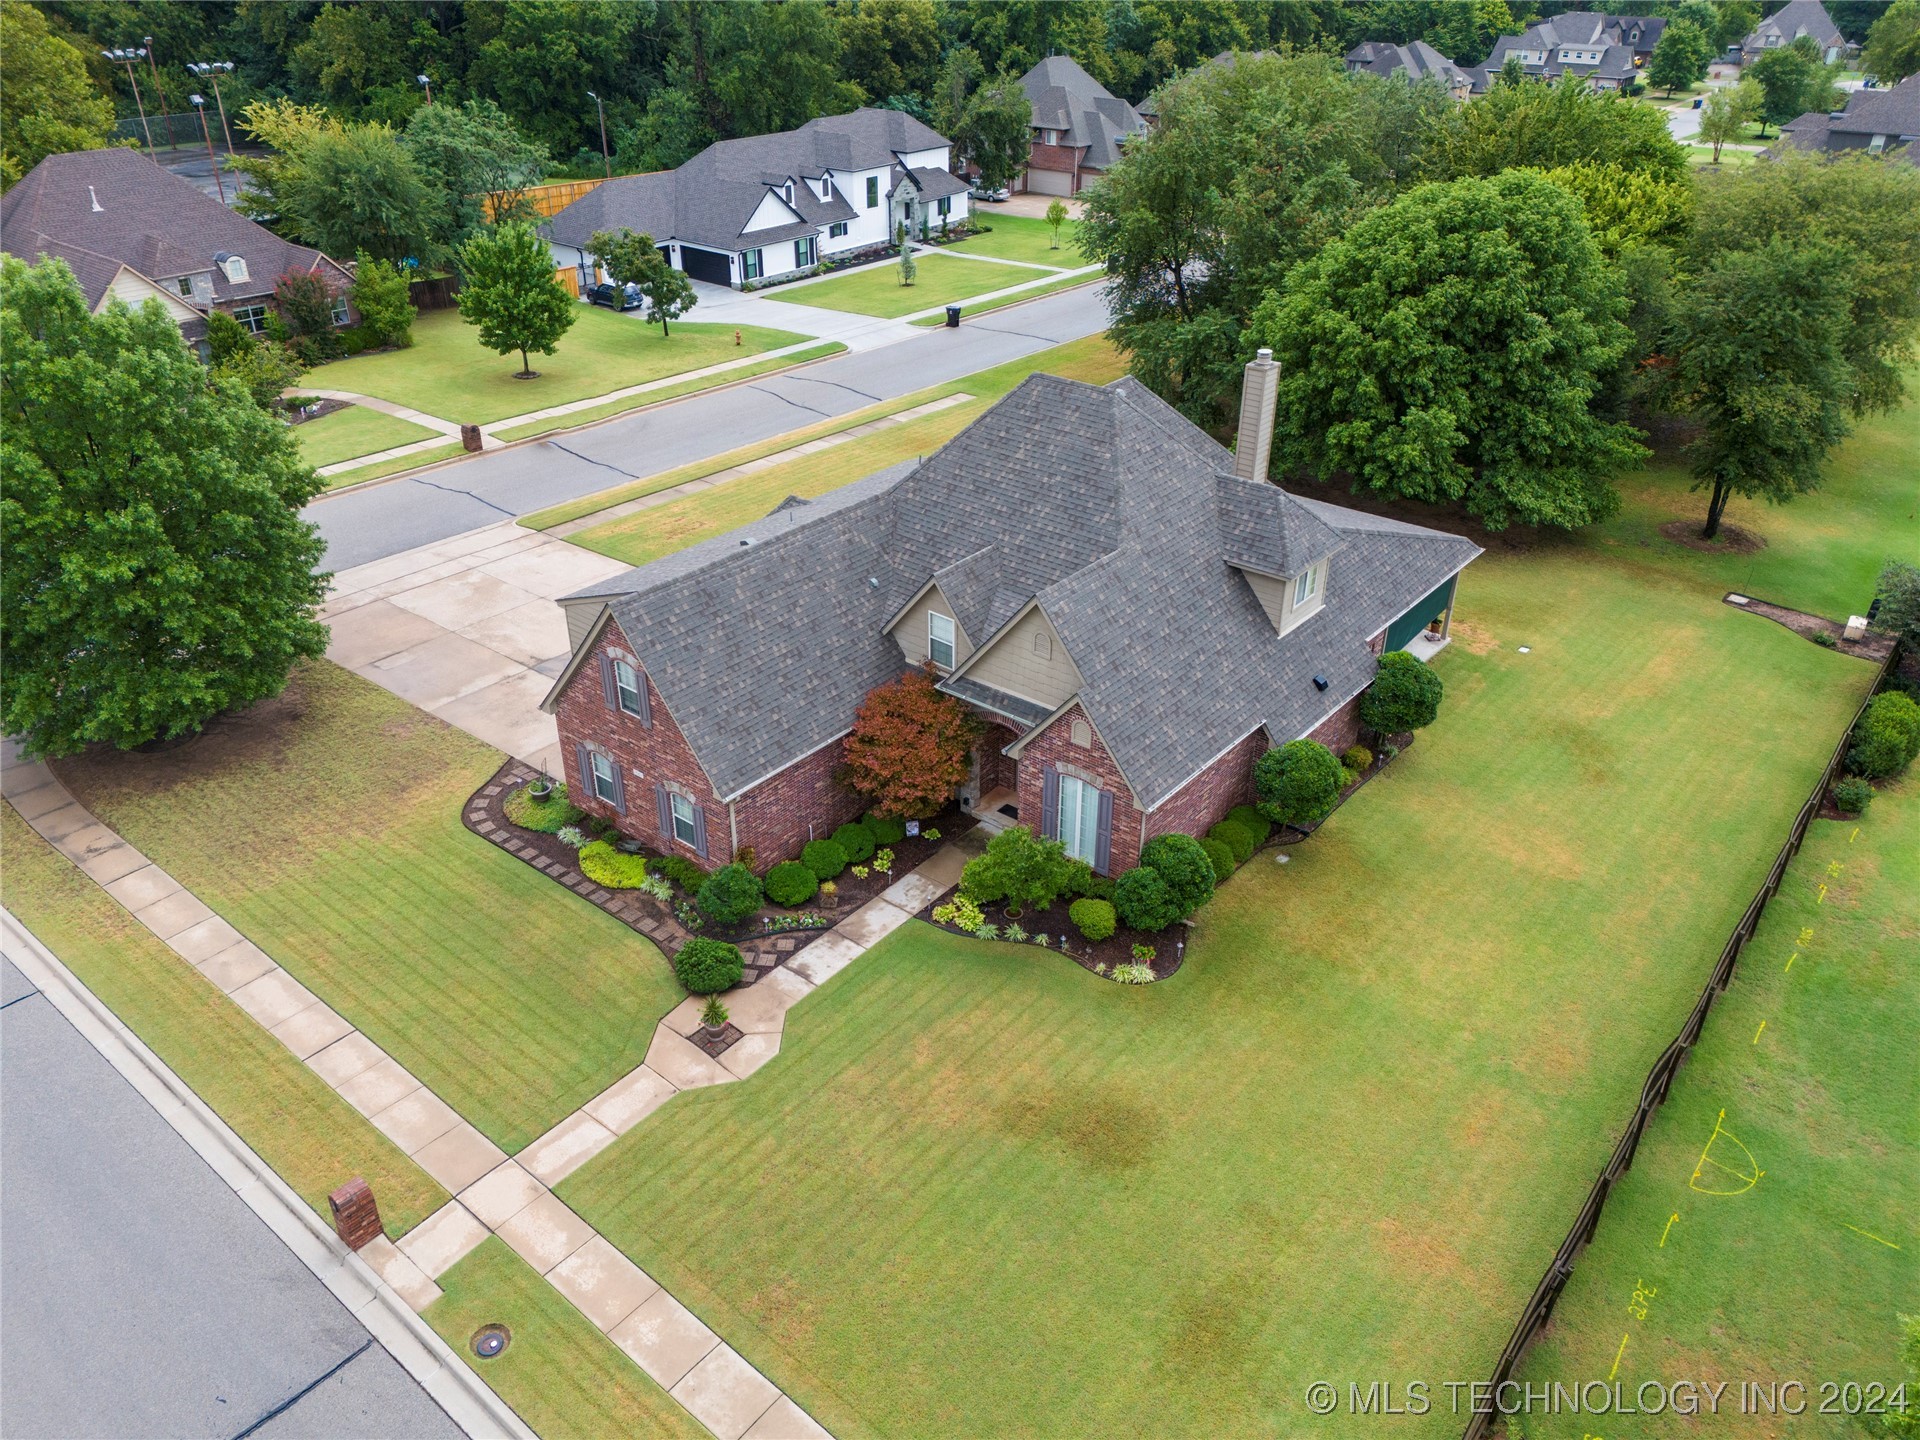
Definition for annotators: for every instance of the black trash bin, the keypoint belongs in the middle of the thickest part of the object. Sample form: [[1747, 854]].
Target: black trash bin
[[953, 317]]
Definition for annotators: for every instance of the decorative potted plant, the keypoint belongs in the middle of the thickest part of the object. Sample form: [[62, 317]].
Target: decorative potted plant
[[540, 791], [713, 1019]]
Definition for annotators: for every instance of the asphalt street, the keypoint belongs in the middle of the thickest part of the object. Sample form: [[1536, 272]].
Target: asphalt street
[[385, 519], [142, 1296]]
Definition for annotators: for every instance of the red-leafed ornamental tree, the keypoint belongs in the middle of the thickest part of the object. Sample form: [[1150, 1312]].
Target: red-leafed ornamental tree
[[909, 748]]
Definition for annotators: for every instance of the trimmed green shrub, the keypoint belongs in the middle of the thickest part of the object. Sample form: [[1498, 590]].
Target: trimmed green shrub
[[544, 816], [1237, 838], [1190, 876], [706, 967], [1852, 795], [1220, 856], [825, 858], [1083, 880], [1887, 738], [1350, 776], [1142, 900], [731, 894], [604, 865], [1092, 918], [857, 840], [790, 883], [682, 872], [1019, 869], [884, 830], [1253, 822], [1357, 757], [1297, 782], [1405, 695]]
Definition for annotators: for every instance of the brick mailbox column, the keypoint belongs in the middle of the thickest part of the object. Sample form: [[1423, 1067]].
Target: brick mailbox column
[[470, 437], [356, 1217]]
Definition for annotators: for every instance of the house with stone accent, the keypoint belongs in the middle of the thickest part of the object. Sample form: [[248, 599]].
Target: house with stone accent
[[1133, 612], [1606, 51]]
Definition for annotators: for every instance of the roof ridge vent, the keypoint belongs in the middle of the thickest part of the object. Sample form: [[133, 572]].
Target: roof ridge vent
[[95, 204]]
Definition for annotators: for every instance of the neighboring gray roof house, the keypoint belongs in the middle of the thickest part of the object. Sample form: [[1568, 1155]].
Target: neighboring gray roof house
[[132, 230], [1605, 50], [1080, 558], [1875, 121], [767, 191], [1079, 126], [1789, 23], [1417, 61]]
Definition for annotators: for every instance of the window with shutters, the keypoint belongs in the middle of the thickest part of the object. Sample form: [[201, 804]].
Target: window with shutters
[[838, 230], [685, 828], [806, 251], [750, 264], [626, 684], [1079, 818], [606, 784], [940, 639]]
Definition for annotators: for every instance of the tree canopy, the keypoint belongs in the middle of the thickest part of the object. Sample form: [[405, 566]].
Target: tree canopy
[[1893, 44], [1792, 81], [48, 104], [993, 130], [1448, 347], [508, 290], [1680, 56], [1536, 124], [478, 163], [158, 571]]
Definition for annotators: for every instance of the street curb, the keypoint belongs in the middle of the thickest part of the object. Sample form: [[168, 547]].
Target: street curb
[[466, 1398]]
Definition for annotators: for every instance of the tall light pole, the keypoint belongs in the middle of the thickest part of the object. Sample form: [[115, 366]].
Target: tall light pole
[[604, 155], [126, 58], [211, 71], [426, 85], [159, 89], [200, 104]]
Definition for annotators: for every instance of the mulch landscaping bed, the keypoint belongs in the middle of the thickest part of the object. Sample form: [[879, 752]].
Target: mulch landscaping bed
[[1116, 949], [1873, 647]]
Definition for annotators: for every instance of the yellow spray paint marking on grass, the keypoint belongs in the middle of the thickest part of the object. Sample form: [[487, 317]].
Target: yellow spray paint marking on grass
[[1821, 898], [1616, 1358], [1790, 959], [1834, 867], [1870, 1235], [1643, 1294], [1806, 936], [1748, 1175], [1669, 1225], [1756, 1034]]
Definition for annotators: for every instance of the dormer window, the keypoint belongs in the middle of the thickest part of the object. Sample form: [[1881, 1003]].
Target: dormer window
[[786, 192], [826, 189], [1306, 586], [940, 639], [233, 266]]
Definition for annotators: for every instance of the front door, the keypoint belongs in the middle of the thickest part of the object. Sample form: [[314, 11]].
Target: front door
[[1079, 818]]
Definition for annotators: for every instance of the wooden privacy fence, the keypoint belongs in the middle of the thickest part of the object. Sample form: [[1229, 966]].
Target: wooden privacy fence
[[551, 199], [1539, 1307]]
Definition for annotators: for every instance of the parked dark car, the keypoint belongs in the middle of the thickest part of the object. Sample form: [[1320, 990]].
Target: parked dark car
[[615, 297]]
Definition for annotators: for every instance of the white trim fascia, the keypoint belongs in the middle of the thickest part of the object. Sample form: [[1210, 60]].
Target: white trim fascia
[[1173, 790], [551, 702], [1020, 745]]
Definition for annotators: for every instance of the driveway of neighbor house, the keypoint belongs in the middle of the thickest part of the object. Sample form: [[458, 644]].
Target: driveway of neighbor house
[[467, 629]]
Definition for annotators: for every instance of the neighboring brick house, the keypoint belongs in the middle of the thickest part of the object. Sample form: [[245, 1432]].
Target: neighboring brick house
[[1132, 610], [1078, 128], [132, 231]]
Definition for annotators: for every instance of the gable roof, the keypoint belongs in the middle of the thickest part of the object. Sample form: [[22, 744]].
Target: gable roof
[[710, 200], [1416, 60], [1101, 505], [1893, 113], [118, 204], [1066, 98], [1791, 21]]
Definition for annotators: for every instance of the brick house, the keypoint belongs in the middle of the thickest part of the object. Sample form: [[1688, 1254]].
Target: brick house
[[1078, 128], [1133, 611]]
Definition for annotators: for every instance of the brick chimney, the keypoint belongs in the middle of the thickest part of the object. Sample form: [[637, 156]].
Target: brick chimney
[[1259, 393]]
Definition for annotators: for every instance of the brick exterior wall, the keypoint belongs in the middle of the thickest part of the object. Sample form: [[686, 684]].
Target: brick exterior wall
[[1064, 158], [997, 771], [1340, 729], [774, 816], [1054, 745], [1207, 797]]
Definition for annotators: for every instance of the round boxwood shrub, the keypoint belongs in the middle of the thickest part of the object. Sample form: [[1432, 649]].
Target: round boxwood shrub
[[682, 872], [1220, 856], [825, 858], [1092, 918], [1184, 866], [1852, 795], [1253, 822], [545, 816], [1298, 782], [1887, 738], [1357, 757], [885, 831], [706, 967], [1142, 900], [604, 865], [790, 883], [731, 894], [1237, 838], [1405, 695], [857, 840]]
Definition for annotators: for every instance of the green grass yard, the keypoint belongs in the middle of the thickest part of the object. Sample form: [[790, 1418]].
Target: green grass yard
[[1802, 1275], [394, 467], [560, 1374], [448, 373], [354, 431], [325, 824], [1068, 282], [876, 290], [312, 1138], [1021, 237]]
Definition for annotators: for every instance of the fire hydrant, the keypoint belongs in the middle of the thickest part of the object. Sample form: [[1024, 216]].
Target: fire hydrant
[[736, 337]]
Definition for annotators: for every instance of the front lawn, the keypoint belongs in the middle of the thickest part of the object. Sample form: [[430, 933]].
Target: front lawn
[[326, 826], [1801, 1276], [1021, 237], [449, 373], [993, 1194], [877, 290], [312, 1138], [354, 431]]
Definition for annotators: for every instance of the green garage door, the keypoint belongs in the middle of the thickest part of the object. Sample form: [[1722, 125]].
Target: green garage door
[[1415, 620]]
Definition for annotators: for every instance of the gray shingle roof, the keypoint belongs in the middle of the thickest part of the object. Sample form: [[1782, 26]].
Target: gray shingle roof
[[709, 200], [1790, 22], [148, 219], [1416, 60], [1893, 112], [1065, 97], [1101, 504]]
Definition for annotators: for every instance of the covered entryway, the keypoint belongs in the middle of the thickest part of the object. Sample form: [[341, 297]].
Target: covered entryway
[[709, 265], [1435, 609]]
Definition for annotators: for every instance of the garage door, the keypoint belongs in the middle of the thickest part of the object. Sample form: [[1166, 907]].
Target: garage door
[[1050, 182], [707, 265]]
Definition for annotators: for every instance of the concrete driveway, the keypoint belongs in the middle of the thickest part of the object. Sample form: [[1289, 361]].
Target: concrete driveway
[[467, 629]]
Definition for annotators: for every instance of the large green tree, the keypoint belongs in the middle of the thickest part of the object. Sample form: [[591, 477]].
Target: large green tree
[[48, 102], [1726, 114], [994, 130], [1757, 361], [359, 189], [1533, 123], [1792, 81], [508, 290], [1893, 44], [633, 259], [780, 66], [891, 47], [541, 59], [477, 161], [158, 571], [1680, 57], [1449, 347]]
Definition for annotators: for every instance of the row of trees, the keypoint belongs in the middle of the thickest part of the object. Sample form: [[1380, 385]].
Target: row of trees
[[1475, 303]]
